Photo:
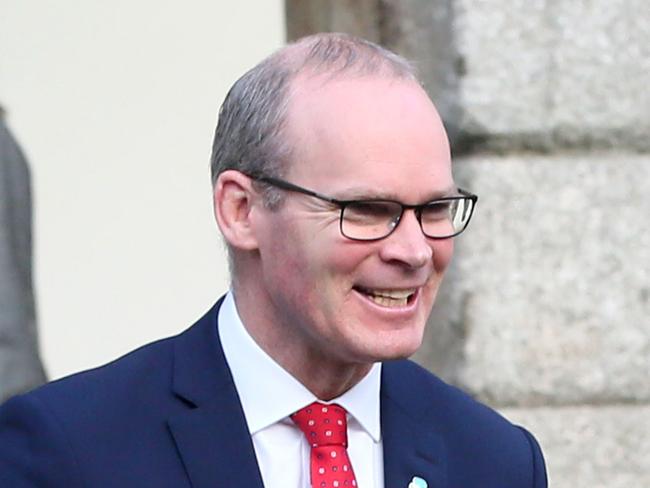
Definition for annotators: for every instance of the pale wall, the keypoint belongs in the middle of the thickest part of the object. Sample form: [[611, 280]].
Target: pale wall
[[115, 105]]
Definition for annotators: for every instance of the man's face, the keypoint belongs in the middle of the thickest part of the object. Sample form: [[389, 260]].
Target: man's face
[[356, 302]]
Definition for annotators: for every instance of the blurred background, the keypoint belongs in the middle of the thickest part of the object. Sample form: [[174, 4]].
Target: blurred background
[[114, 105], [545, 314]]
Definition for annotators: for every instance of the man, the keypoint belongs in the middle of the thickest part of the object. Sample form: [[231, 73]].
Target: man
[[334, 193]]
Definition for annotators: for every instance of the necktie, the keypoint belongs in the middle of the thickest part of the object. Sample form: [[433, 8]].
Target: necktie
[[326, 429]]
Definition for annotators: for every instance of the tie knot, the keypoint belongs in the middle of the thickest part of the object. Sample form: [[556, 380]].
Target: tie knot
[[323, 425]]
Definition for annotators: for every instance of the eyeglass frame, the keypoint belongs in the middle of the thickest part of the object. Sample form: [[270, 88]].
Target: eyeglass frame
[[342, 204]]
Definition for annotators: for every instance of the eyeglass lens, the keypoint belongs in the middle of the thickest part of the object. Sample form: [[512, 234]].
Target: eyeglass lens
[[376, 219]]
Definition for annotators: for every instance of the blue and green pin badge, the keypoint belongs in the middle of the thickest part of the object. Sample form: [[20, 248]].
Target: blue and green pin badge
[[417, 482]]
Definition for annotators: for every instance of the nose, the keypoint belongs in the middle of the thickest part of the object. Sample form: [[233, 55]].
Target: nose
[[407, 244]]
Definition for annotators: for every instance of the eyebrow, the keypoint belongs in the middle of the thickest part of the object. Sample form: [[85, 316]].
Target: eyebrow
[[363, 193]]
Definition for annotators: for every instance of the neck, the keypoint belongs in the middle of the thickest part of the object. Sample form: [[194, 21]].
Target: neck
[[323, 374], [325, 379]]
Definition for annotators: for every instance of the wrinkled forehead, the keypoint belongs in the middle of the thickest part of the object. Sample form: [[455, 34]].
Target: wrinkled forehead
[[358, 127]]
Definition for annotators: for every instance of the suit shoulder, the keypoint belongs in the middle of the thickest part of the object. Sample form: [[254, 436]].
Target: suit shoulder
[[447, 407], [98, 398], [78, 428], [408, 378], [471, 430], [130, 382], [44, 433]]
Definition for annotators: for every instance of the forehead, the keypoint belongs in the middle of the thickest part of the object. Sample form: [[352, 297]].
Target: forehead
[[367, 132]]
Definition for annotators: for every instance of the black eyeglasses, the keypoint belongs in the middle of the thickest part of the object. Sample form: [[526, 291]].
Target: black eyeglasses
[[374, 219]]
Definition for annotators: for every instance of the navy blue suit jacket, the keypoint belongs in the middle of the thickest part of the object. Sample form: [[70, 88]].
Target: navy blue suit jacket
[[168, 415]]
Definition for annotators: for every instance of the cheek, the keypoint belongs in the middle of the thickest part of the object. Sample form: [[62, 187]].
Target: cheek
[[442, 253], [346, 257]]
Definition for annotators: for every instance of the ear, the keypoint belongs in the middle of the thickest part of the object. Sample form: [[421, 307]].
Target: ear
[[234, 199]]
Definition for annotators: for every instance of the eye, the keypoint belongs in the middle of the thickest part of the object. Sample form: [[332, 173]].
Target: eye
[[371, 211], [436, 211]]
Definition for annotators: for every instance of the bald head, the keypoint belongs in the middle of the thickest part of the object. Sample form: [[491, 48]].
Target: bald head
[[250, 135]]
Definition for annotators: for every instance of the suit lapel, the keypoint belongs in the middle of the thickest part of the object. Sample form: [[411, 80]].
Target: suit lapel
[[216, 452], [411, 445], [211, 434]]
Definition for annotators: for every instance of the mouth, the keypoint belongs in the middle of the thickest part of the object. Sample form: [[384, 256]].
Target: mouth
[[389, 298]]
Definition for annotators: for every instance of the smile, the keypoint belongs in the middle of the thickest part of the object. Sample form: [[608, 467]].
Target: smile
[[388, 298]]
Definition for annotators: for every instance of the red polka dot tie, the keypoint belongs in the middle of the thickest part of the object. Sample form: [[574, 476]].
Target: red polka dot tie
[[326, 429]]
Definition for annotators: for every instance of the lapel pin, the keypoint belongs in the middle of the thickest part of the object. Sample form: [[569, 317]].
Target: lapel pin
[[417, 482]]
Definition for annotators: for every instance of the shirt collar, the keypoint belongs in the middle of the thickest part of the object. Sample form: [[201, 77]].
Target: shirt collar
[[269, 394]]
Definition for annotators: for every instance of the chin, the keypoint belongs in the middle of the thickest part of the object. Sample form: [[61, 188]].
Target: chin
[[396, 346]]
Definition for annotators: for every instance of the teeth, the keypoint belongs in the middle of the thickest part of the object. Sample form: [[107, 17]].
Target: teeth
[[397, 294], [389, 298], [388, 302]]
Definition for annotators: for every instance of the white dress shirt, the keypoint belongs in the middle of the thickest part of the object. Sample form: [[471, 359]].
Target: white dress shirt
[[269, 394]]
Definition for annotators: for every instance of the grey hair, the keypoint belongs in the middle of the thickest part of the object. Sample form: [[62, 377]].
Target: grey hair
[[249, 134]]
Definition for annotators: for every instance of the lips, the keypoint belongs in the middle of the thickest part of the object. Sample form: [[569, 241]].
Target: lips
[[388, 298]]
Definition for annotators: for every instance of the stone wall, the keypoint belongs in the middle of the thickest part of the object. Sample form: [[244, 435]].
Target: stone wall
[[546, 311]]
